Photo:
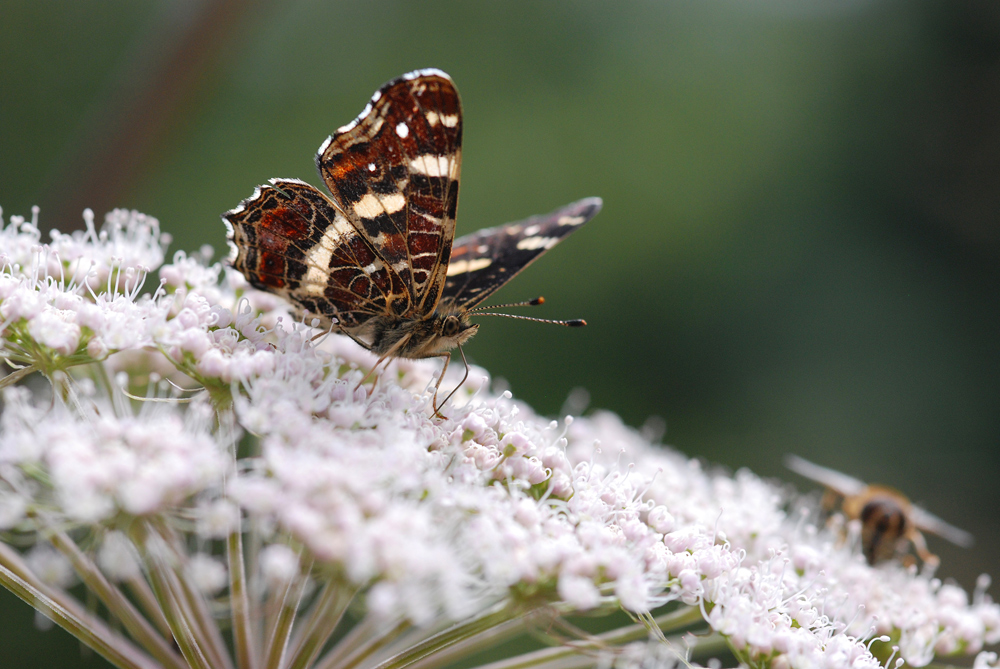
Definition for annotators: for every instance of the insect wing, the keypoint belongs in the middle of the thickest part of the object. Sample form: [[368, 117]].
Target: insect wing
[[289, 239], [394, 173], [484, 261], [842, 483], [928, 521]]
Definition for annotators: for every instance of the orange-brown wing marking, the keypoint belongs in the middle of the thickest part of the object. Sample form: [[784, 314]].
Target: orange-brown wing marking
[[288, 238], [394, 172]]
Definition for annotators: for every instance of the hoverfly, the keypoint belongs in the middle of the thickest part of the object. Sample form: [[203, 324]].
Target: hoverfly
[[889, 521]]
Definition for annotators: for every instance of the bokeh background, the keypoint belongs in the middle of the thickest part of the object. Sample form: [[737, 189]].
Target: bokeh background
[[799, 249]]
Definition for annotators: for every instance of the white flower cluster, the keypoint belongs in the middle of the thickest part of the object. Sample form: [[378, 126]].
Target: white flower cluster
[[77, 294], [99, 462], [127, 241], [363, 489]]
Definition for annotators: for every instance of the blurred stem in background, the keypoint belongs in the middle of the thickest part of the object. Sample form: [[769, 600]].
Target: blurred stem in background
[[145, 99]]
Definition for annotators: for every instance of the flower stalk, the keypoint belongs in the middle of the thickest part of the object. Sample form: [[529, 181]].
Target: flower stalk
[[173, 604], [363, 641], [117, 603], [467, 629], [240, 602], [68, 614], [326, 615], [281, 628]]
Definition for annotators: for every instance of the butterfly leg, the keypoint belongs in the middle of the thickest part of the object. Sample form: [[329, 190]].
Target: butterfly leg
[[360, 342], [385, 356], [320, 337], [437, 386], [370, 373]]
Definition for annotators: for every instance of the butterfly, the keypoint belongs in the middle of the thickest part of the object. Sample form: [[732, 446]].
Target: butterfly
[[377, 260]]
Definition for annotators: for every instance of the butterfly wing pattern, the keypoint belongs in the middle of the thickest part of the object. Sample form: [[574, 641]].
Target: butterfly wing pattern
[[394, 172], [375, 259], [289, 239], [482, 262]]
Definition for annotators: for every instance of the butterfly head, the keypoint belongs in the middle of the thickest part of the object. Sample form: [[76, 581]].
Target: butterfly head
[[408, 338], [450, 329], [455, 329]]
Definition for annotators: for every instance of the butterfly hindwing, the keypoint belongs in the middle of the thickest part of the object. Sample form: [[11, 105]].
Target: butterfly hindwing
[[394, 173], [484, 261], [289, 239]]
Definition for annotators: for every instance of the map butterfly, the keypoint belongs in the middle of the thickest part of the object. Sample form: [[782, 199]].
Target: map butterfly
[[378, 259]]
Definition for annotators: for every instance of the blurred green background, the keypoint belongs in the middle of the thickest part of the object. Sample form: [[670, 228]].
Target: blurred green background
[[799, 249]]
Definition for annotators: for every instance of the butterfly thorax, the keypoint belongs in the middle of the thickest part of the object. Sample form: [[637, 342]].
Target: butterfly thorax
[[420, 338]]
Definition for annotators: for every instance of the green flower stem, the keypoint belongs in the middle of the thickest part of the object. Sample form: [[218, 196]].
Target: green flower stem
[[667, 623], [168, 594], [68, 614], [281, 630], [240, 603], [379, 640], [17, 375], [451, 636], [364, 634], [143, 594], [322, 622], [570, 659], [247, 653], [263, 606], [711, 646], [204, 625], [137, 626], [60, 386], [563, 656], [482, 641], [398, 640], [266, 612]]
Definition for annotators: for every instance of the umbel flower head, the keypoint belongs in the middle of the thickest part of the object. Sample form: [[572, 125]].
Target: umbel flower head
[[215, 474]]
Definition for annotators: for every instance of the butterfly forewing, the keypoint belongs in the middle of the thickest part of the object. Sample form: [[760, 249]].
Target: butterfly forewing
[[394, 173], [288, 238], [484, 261]]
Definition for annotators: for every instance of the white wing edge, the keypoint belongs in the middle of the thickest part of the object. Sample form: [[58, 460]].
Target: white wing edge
[[926, 520], [842, 483]]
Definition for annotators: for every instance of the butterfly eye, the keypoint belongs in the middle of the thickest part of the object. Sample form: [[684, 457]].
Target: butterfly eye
[[450, 326]]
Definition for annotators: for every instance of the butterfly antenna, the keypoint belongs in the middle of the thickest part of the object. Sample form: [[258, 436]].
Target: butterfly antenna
[[480, 311], [526, 303], [574, 323]]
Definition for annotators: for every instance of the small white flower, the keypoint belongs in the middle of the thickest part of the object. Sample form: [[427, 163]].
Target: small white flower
[[218, 519], [278, 564], [51, 567], [208, 574], [579, 592], [985, 660], [55, 328], [118, 557], [12, 508]]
